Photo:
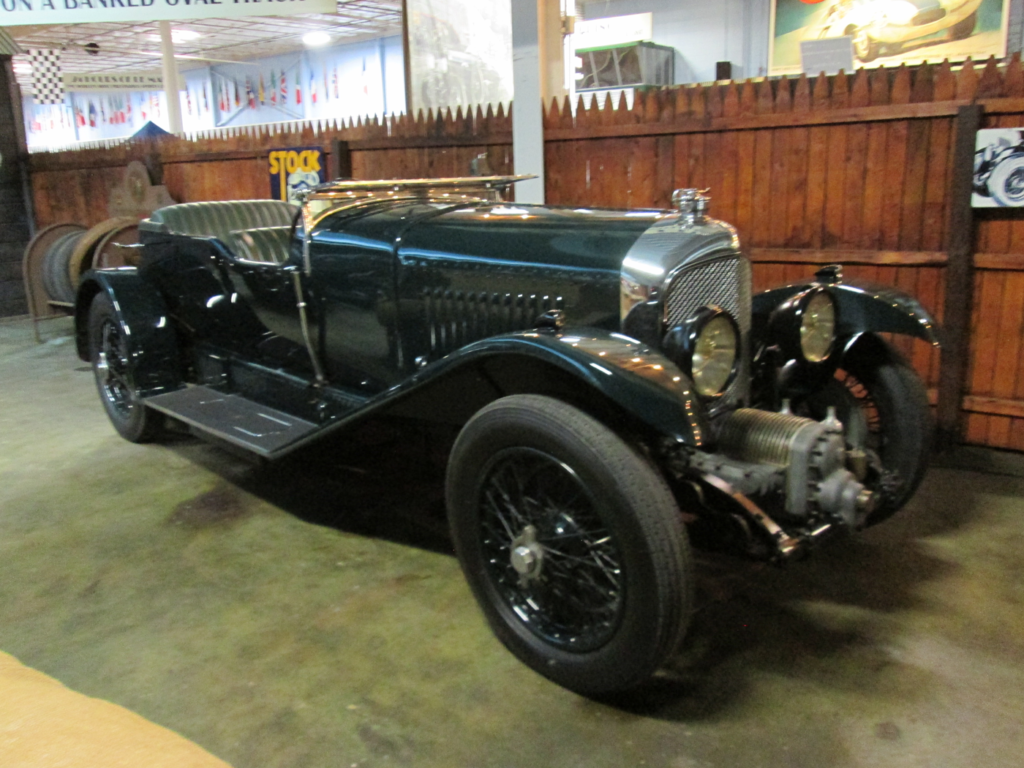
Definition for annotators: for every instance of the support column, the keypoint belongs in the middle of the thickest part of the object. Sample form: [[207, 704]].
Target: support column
[[959, 281], [552, 61], [15, 220], [171, 88], [527, 118]]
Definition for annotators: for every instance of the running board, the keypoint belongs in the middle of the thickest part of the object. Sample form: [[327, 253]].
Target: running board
[[250, 425]]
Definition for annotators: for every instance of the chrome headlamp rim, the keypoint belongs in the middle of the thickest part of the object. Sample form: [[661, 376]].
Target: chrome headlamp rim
[[681, 342]]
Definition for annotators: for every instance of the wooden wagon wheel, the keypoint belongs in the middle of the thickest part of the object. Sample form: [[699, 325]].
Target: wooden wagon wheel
[[83, 257], [32, 267], [117, 248]]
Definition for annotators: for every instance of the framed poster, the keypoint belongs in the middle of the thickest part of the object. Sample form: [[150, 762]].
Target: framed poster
[[262, 91], [460, 53], [999, 168], [889, 32]]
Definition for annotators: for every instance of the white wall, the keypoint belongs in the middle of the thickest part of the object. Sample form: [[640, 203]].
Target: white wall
[[1016, 24], [702, 32]]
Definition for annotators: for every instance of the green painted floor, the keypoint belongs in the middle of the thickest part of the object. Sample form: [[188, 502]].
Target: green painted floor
[[309, 614]]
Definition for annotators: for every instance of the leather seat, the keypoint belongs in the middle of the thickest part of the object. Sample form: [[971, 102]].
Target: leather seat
[[269, 245], [219, 219]]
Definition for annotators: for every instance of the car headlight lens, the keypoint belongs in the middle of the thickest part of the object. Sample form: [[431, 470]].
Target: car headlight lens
[[818, 327], [707, 348], [714, 355]]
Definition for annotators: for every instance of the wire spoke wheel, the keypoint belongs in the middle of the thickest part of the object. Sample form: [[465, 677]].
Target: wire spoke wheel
[[1013, 187], [112, 367], [1006, 182], [550, 555], [572, 543]]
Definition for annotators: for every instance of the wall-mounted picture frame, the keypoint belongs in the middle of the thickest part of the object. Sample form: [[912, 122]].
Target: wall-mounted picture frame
[[887, 33], [999, 168], [460, 53]]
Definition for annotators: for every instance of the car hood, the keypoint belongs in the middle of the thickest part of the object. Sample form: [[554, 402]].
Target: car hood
[[529, 234]]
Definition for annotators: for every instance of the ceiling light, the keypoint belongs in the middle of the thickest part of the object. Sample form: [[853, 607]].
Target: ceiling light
[[177, 36], [316, 39]]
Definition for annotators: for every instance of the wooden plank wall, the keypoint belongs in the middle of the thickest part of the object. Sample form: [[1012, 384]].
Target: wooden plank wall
[[851, 169], [232, 165], [995, 388]]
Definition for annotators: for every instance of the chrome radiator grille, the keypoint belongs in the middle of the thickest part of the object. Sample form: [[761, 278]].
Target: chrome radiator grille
[[725, 281], [722, 280]]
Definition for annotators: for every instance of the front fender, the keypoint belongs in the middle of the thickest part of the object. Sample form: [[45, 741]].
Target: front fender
[[152, 342], [639, 380], [863, 307]]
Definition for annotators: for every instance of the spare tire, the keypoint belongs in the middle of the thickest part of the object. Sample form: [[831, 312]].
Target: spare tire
[[56, 278]]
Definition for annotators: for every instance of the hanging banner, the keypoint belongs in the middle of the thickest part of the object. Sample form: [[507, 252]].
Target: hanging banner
[[262, 91], [888, 32], [121, 81], [295, 170], [20, 12]]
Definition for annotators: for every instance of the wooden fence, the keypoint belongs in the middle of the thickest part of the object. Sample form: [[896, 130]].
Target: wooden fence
[[853, 169]]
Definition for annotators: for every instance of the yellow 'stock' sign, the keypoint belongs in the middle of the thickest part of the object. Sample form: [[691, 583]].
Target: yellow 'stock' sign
[[294, 170]]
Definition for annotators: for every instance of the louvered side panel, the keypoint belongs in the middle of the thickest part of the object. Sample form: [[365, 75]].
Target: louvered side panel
[[456, 318]]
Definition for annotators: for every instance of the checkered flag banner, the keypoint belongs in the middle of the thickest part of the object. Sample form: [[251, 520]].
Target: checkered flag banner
[[46, 79]]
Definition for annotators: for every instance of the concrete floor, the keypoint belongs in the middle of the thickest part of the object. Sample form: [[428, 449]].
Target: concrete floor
[[310, 614]]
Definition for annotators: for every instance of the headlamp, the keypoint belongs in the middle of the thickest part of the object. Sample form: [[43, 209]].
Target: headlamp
[[817, 326], [804, 326], [707, 347]]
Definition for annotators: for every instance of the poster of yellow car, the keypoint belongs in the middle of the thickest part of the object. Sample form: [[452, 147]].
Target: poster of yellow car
[[889, 32]]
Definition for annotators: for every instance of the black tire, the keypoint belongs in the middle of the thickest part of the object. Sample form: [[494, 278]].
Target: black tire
[[1006, 182], [964, 28], [884, 405], [108, 353], [56, 279], [865, 47], [601, 610]]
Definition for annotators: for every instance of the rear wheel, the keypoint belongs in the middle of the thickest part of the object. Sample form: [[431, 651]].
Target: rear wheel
[[108, 352], [1006, 182], [571, 542]]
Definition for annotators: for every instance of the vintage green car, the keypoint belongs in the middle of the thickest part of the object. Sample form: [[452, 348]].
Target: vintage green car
[[618, 389]]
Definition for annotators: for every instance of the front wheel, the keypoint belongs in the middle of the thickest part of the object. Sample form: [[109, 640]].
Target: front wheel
[[865, 47], [108, 352], [1006, 182], [571, 542], [884, 407], [965, 27]]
